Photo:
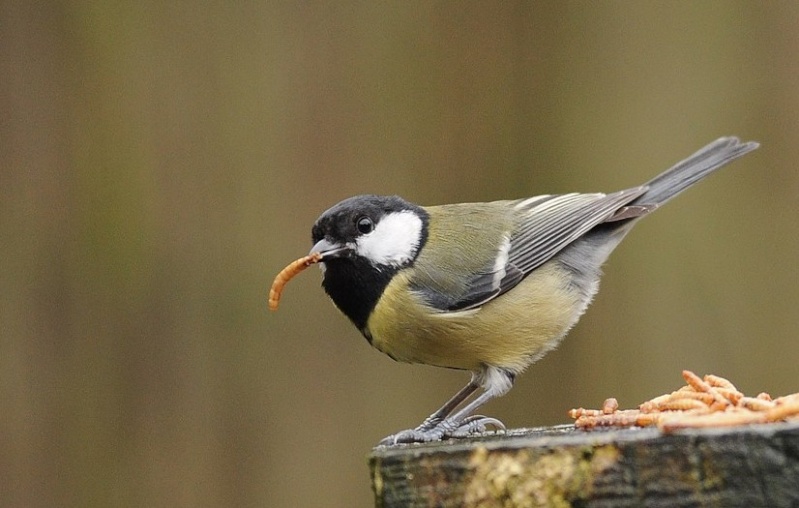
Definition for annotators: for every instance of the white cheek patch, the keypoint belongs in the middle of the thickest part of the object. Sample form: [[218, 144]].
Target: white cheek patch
[[394, 240]]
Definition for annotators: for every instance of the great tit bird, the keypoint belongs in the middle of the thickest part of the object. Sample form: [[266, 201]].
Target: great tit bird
[[484, 287]]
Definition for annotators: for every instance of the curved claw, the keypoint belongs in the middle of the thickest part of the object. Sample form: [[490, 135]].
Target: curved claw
[[477, 424], [485, 420]]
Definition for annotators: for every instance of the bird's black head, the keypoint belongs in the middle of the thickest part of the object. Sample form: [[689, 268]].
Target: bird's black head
[[364, 241]]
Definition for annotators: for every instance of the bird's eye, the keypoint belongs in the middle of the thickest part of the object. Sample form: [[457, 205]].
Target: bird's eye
[[364, 225]]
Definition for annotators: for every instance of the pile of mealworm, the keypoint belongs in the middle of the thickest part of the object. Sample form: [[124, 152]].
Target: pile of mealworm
[[711, 401]]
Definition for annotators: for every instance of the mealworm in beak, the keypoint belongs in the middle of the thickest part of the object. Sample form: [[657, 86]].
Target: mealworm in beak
[[287, 274]]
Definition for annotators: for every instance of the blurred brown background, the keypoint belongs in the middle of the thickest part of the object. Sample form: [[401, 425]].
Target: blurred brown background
[[160, 162]]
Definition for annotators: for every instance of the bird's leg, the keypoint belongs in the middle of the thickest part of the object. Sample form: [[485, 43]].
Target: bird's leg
[[457, 425], [435, 419], [442, 424], [448, 407], [462, 424]]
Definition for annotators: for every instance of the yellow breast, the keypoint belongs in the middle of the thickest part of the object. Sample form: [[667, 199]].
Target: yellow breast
[[511, 331]]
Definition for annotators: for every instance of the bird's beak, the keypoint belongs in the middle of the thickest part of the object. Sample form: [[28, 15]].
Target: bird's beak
[[330, 250]]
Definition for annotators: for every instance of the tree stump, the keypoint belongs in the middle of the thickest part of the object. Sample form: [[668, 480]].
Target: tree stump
[[751, 466]]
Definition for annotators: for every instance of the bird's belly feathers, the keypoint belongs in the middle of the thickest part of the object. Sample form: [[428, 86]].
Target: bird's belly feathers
[[511, 332]]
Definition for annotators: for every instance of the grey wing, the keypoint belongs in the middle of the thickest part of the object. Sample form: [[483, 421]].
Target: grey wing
[[550, 223], [546, 225], [487, 286]]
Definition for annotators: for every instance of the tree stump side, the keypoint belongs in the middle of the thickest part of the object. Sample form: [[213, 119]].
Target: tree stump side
[[560, 466]]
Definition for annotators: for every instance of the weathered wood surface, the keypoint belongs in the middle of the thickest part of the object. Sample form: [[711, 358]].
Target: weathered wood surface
[[752, 466]]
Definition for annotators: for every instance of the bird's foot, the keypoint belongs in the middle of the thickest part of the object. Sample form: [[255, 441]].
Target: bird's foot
[[448, 428]]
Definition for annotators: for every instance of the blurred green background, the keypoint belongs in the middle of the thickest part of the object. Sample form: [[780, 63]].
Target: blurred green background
[[160, 162]]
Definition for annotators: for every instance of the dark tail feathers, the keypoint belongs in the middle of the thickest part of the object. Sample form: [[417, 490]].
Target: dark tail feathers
[[689, 171]]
